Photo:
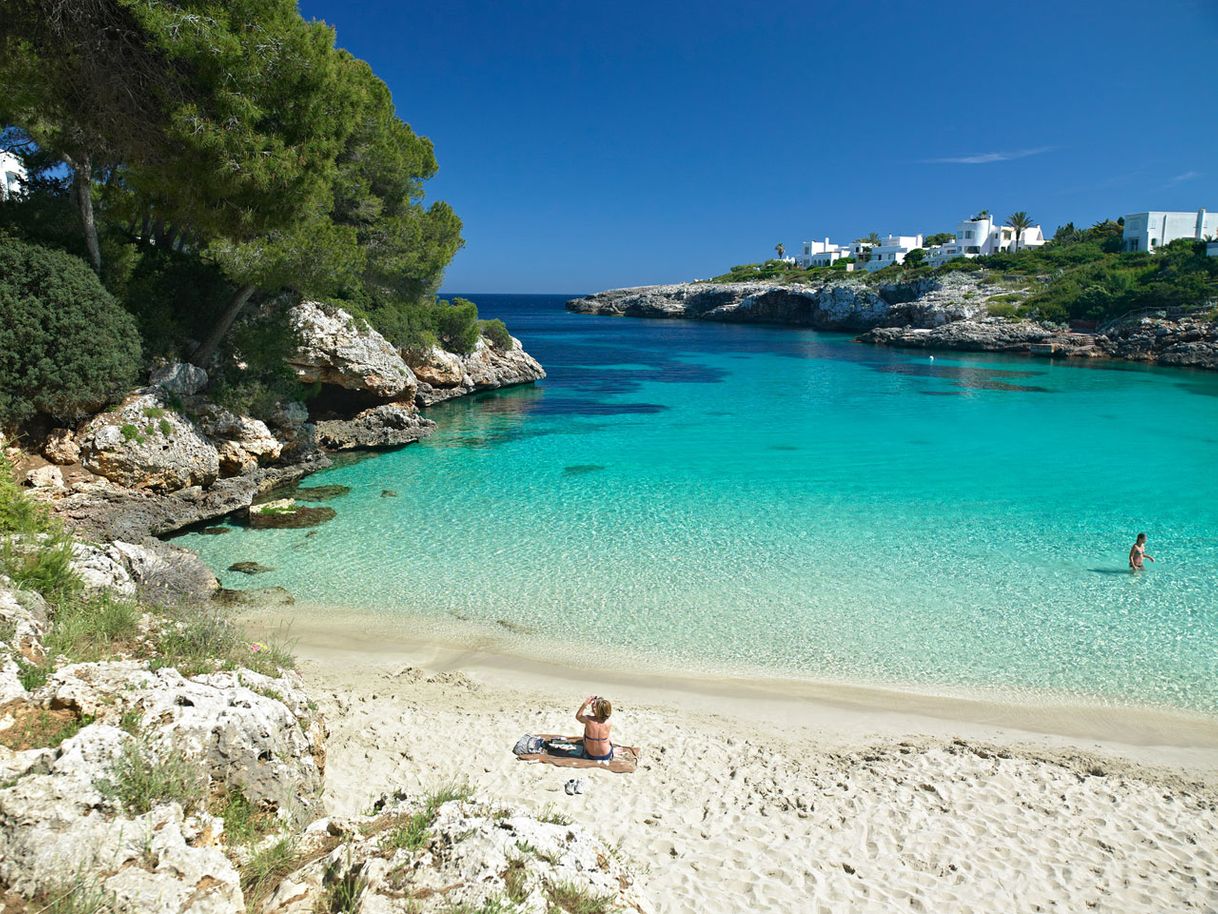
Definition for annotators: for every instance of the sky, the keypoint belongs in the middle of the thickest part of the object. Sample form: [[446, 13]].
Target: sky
[[590, 146]]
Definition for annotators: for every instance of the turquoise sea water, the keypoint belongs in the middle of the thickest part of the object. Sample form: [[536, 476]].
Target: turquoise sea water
[[749, 497]]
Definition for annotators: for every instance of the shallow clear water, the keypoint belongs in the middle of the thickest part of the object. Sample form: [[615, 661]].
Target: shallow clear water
[[778, 498]]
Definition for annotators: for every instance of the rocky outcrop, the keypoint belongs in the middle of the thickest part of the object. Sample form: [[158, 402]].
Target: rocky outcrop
[[986, 335], [335, 349], [1189, 341], [101, 510], [390, 425], [443, 375], [147, 444], [242, 443], [840, 304], [61, 836], [474, 855]]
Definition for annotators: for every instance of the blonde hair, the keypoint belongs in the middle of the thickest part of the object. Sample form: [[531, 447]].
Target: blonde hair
[[601, 709]]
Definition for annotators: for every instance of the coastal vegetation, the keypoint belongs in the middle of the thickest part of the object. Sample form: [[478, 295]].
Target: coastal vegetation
[[1080, 274], [191, 166]]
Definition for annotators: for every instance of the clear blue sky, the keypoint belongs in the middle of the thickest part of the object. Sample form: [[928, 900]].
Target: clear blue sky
[[587, 145]]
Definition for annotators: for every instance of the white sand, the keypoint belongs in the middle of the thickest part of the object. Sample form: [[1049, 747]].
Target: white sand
[[791, 796]]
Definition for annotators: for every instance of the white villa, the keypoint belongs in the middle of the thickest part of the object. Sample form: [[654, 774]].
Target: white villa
[[12, 175], [1146, 231], [982, 235], [826, 253], [891, 250]]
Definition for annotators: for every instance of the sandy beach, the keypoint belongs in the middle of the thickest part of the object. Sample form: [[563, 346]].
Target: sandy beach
[[788, 796]]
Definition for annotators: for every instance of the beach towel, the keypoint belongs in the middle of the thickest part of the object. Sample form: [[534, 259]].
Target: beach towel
[[552, 749]]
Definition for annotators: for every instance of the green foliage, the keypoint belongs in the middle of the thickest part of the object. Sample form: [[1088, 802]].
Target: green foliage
[[244, 822], [412, 832], [257, 376], [915, 258], [66, 347], [456, 324], [175, 297], [140, 779], [938, 238], [497, 332], [92, 628]]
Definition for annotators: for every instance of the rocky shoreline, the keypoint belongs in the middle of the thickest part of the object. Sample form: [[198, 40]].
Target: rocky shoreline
[[167, 458], [949, 313]]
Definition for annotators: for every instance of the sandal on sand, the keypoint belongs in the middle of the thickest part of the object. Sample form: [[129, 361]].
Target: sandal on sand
[[573, 787]]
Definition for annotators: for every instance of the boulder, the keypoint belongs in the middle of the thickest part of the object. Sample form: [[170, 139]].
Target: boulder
[[178, 378], [101, 569], [47, 477], [335, 349], [165, 573], [61, 447], [243, 443], [436, 366], [146, 444], [390, 425]]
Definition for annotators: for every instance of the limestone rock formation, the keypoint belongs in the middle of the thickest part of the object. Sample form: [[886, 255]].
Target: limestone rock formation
[[243, 443], [47, 477], [1189, 341], [443, 375], [61, 447], [57, 840], [474, 856], [389, 425], [146, 444], [837, 304], [335, 349]]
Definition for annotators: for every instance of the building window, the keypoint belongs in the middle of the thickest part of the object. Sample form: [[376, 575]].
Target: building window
[[1153, 242]]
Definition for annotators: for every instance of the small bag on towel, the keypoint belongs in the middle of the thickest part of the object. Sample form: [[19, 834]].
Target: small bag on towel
[[529, 745]]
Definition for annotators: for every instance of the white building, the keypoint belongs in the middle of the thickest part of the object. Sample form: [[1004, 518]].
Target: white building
[[891, 250], [981, 235], [1146, 231], [826, 253], [12, 175]]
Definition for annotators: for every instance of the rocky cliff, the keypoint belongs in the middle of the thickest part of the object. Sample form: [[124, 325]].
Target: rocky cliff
[[951, 312]]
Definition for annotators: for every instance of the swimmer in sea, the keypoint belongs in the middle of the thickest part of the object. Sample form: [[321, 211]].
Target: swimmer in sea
[[1138, 552]]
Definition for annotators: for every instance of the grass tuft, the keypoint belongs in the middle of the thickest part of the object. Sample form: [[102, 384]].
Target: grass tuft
[[139, 780], [265, 870], [575, 899], [245, 823]]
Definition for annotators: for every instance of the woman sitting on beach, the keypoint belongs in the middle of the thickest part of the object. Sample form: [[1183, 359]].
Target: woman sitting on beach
[[594, 714]]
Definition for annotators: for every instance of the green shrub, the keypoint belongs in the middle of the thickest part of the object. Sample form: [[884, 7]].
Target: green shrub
[[497, 332], [66, 346], [456, 324]]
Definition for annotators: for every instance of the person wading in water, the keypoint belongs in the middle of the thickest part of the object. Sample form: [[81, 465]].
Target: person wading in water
[[1138, 552]]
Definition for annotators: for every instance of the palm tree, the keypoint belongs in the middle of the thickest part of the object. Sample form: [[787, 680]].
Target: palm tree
[[1020, 221], [780, 249], [873, 238]]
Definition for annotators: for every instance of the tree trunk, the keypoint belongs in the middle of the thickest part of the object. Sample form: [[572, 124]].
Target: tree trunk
[[83, 182], [207, 348]]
